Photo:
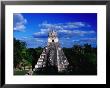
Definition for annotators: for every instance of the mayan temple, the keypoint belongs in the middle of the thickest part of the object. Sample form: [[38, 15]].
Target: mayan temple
[[52, 55]]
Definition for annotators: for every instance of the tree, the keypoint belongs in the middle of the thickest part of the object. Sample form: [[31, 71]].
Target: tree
[[19, 50], [82, 59]]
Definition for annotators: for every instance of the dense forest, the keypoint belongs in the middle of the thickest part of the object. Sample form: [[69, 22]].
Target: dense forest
[[82, 59]]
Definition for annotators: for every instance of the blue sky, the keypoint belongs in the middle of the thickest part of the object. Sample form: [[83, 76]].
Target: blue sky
[[72, 28]]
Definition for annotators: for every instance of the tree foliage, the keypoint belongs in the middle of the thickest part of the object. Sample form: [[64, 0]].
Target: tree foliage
[[21, 54], [82, 59]]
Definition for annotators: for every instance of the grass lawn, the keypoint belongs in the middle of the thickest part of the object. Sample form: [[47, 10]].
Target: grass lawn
[[23, 72]]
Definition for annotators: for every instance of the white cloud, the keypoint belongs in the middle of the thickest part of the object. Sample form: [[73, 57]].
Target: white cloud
[[75, 40], [68, 29], [76, 32], [67, 38], [19, 27], [45, 30], [39, 40], [75, 25], [34, 42], [19, 22], [88, 39], [32, 39], [40, 34], [67, 25], [82, 33], [58, 27], [85, 40], [46, 25], [65, 31]]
